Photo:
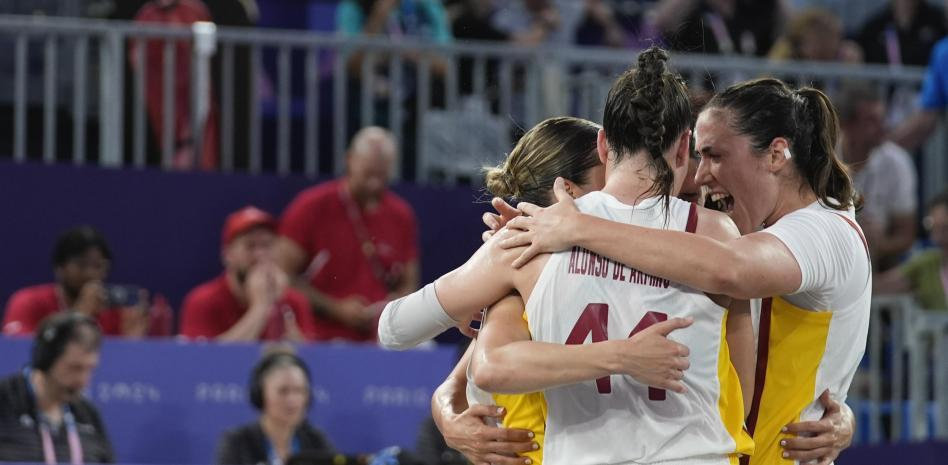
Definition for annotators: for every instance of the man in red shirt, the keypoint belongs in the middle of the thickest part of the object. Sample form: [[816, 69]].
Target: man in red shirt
[[351, 242], [251, 300], [81, 261]]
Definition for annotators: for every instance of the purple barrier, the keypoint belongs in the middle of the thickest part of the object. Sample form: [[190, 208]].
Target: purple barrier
[[925, 453], [168, 402], [164, 228]]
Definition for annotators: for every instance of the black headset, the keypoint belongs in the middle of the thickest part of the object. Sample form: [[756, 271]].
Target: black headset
[[54, 334], [265, 365]]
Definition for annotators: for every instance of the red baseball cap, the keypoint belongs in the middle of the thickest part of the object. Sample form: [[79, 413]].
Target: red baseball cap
[[244, 220]]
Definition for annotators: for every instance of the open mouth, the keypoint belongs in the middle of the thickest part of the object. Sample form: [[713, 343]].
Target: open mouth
[[720, 201]]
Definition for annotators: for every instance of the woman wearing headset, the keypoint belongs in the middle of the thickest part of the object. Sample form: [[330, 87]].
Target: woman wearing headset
[[280, 390]]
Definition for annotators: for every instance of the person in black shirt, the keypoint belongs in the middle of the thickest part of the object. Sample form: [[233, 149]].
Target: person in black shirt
[[43, 417], [902, 33], [280, 389]]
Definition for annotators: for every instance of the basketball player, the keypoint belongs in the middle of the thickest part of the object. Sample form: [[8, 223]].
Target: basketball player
[[645, 146], [768, 153]]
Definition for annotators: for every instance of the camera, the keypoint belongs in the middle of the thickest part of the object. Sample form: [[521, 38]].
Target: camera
[[121, 295]]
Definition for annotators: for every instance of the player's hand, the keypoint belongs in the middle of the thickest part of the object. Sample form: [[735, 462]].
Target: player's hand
[[820, 441], [651, 358], [495, 221], [464, 327], [545, 229], [482, 444]]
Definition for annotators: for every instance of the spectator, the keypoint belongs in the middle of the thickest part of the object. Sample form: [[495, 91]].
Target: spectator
[[423, 20], [815, 34], [902, 32], [603, 25], [251, 300], [43, 416], [81, 262], [351, 242], [720, 26], [280, 388], [915, 130], [882, 172], [926, 274]]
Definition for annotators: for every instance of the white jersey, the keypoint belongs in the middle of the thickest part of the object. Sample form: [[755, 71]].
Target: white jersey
[[813, 339], [581, 297]]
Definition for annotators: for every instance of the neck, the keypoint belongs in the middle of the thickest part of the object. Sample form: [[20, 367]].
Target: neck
[[363, 200], [630, 180], [279, 433], [48, 398], [794, 199]]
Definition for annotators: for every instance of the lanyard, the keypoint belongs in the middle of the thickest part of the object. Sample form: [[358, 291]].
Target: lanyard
[[369, 249], [72, 432], [273, 458], [893, 50]]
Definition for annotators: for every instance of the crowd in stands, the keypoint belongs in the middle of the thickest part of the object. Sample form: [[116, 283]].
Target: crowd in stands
[[296, 279], [294, 266]]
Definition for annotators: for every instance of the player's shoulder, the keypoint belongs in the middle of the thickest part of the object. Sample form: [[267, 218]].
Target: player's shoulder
[[715, 224]]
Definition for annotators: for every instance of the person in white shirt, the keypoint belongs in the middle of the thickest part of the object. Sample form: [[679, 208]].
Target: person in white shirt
[[882, 172]]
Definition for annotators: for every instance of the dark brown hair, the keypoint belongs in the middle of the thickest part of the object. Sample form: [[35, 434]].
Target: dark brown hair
[[647, 109], [556, 147], [764, 109]]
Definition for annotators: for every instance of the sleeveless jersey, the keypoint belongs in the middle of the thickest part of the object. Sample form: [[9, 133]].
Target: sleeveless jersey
[[581, 297]]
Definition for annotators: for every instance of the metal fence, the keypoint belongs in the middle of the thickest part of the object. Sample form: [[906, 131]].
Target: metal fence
[[901, 391], [288, 101]]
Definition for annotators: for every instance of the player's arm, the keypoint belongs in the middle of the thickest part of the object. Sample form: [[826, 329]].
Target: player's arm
[[484, 279], [464, 427], [758, 264], [821, 440], [739, 333], [507, 360]]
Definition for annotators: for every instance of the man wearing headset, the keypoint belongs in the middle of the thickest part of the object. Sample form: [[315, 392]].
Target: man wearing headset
[[43, 416]]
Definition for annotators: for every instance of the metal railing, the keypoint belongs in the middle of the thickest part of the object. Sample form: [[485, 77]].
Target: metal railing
[[288, 101], [901, 391]]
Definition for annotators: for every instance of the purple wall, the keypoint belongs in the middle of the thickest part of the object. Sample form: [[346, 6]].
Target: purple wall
[[164, 228]]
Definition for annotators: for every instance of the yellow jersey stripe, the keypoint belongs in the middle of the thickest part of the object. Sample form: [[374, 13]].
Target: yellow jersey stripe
[[796, 342], [731, 400]]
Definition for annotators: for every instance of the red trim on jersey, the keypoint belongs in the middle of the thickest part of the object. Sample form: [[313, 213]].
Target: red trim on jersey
[[763, 344], [858, 231], [692, 219]]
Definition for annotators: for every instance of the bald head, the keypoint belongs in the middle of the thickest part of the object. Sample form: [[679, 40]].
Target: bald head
[[370, 161]]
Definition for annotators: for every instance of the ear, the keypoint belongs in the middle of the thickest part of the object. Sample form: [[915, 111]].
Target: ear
[[602, 147], [572, 188], [683, 153], [779, 148]]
